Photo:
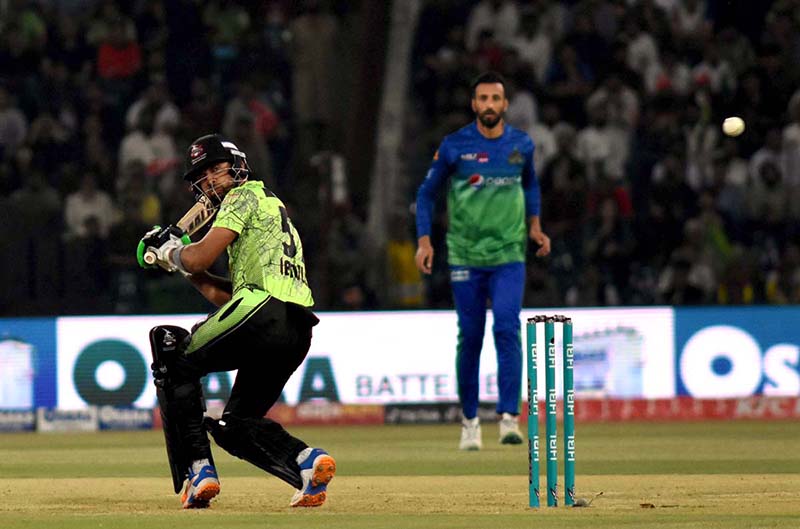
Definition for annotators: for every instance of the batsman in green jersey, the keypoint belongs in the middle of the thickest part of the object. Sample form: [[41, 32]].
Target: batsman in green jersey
[[262, 328]]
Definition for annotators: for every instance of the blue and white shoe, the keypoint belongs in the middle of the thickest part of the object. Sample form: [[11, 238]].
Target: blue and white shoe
[[316, 470], [200, 488]]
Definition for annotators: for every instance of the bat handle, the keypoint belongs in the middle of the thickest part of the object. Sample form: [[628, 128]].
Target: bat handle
[[149, 257]]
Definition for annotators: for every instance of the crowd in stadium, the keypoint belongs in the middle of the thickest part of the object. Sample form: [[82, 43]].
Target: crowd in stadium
[[98, 102], [646, 201], [644, 197]]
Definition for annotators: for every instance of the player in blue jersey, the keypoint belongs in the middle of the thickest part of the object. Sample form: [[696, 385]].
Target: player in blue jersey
[[493, 208]]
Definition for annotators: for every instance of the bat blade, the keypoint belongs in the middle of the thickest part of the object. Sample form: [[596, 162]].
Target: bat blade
[[197, 216], [194, 219]]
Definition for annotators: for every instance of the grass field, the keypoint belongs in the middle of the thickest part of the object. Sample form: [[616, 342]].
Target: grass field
[[690, 475]]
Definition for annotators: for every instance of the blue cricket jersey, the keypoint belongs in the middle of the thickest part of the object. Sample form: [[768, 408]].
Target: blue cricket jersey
[[493, 190]]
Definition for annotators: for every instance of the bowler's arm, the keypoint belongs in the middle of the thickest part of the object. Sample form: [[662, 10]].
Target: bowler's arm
[[426, 198]]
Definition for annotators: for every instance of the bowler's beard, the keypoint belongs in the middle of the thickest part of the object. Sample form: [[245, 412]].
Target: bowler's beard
[[490, 119]]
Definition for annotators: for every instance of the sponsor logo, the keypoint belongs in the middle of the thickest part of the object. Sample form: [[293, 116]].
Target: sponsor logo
[[15, 421], [727, 361], [419, 413], [516, 158], [113, 418], [480, 157], [475, 181], [197, 153], [732, 353], [459, 275], [57, 420], [478, 181]]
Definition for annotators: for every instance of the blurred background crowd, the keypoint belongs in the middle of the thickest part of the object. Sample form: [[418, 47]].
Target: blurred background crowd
[[644, 198]]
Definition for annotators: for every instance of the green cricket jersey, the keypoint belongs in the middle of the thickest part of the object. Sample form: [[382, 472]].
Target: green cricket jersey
[[267, 254]]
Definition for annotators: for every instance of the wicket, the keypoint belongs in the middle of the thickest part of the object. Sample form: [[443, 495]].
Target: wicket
[[550, 407]]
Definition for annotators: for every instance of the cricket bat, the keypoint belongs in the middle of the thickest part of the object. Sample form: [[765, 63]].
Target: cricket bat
[[198, 216]]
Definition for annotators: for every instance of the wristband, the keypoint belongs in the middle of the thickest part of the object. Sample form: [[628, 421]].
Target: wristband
[[175, 258]]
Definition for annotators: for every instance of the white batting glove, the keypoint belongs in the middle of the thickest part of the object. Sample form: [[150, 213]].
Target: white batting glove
[[164, 253]]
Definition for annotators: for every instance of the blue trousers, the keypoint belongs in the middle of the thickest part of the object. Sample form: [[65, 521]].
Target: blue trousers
[[472, 287]]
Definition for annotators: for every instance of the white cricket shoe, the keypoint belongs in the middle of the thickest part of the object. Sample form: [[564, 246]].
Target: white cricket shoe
[[509, 430], [317, 468], [470, 434]]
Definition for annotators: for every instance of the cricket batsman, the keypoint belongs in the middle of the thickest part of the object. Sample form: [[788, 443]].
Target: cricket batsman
[[493, 208], [262, 328]]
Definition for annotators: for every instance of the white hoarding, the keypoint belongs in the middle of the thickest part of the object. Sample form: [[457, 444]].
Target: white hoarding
[[378, 357]]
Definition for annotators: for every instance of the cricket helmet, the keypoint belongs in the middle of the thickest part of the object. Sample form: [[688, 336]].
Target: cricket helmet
[[208, 150]]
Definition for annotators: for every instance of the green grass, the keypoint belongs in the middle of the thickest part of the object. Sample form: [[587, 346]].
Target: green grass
[[726, 475]]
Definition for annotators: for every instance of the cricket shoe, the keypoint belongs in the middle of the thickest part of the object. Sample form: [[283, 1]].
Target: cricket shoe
[[470, 434], [200, 488], [509, 430], [316, 470]]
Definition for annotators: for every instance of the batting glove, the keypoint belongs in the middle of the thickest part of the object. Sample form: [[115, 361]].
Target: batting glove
[[156, 246]]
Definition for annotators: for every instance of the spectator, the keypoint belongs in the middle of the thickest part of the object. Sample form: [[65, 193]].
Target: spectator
[[590, 47], [522, 110], [151, 26], [669, 75], [791, 147], [348, 244], [67, 45], [736, 49], [768, 200], [701, 138], [15, 55], [137, 146], [489, 54], [405, 281], [738, 285], [782, 285], [771, 152], [568, 83], [155, 98], [609, 244], [540, 287], [314, 36], [689, 25], [28, 17], [36, 210], [499, 17], [204, 110], [13, 125], [543, 133], [602, 147], [250, 140], [227, 23], [620, 100], [672, 202], [119, 56], [96, 152], [50, 142], [678, 287], [642, 49], [534, 47], [715, 73], [89, 211], [106, 21]]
